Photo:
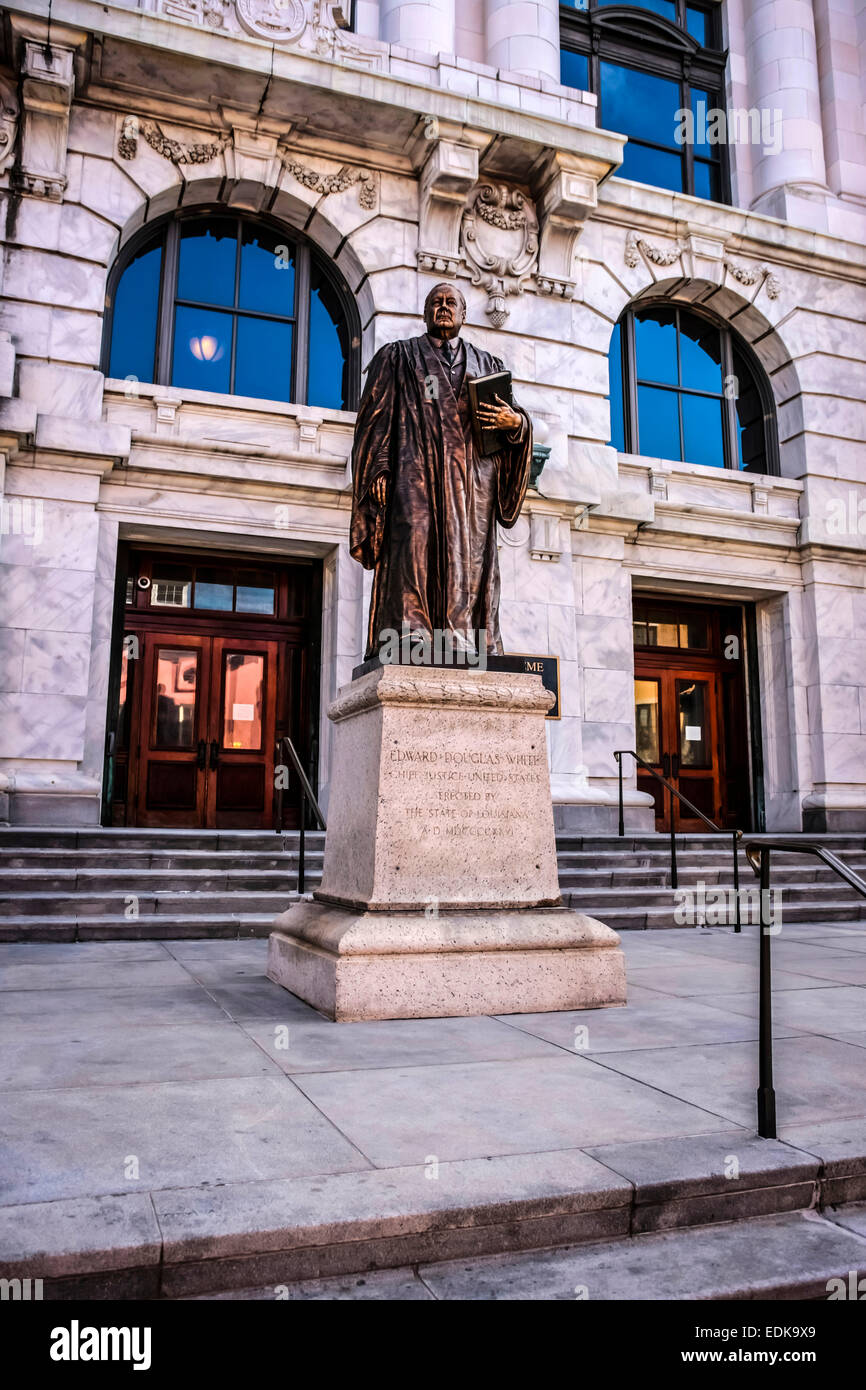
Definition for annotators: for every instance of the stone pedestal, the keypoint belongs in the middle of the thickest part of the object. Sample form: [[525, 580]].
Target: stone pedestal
[[439, 892]]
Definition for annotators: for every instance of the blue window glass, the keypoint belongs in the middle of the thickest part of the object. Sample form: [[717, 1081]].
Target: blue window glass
[[700, 353], [682, 402], [698, 24], [267, 272], [208, 252], [655, 338], [666, 8], [202, 356], [327, 382], [574, 70], [751, 452], [263, 362], [639, 104], [136, 307], [658, 422], [703, 440], [617, 418], [708, 183], [656, 167], [214, 588], [704, 123]]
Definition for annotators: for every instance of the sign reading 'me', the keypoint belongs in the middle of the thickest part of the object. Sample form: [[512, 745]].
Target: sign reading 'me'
[[545, 666]]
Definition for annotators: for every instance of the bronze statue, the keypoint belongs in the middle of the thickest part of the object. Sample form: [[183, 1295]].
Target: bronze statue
[[425, 501]]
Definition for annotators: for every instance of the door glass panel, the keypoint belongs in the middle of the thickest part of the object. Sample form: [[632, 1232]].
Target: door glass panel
[[693, 633], [255, 593], [171, 586], [243, 687], [663, 630], [121, 739], [214, 589], [176, 684], [646, 720], [692, 703]]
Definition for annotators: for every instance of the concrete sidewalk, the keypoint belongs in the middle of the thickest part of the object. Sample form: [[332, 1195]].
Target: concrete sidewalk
[[174, 1123]]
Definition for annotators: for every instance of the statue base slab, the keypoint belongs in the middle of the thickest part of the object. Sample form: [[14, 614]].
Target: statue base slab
[[440, 889], [368, 965]]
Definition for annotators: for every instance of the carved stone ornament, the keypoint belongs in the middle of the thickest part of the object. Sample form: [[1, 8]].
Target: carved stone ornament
[[749, 275], [636, 246], [335, 183], [8, 123], [499, 238], [177, 151], [127, 141], [280, 21], [314, 26]]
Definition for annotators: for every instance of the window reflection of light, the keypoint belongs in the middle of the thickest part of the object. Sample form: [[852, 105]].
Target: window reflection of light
[[206, 348]]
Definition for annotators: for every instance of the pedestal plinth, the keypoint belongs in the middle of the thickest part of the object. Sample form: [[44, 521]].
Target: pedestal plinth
[[439, 892]]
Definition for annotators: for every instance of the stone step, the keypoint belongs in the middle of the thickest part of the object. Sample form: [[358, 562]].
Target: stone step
[[157, 880], [21, 905], [642, 918], [795, 1258], [179, 926], [605, 1222]]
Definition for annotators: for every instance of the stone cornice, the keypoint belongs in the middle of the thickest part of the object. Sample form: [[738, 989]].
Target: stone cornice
[[439, 688], [744, 233], [401, 98]]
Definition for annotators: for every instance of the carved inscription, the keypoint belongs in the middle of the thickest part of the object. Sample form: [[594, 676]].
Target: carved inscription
[[464, 793]]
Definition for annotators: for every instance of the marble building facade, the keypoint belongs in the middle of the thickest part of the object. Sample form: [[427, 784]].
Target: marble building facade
[[376, 142]]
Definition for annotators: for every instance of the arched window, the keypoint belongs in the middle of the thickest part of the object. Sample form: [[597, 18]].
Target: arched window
[[227, 303], [683, 387]]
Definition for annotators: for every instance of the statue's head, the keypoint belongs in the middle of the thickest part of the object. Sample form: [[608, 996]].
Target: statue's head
[[444, 311]]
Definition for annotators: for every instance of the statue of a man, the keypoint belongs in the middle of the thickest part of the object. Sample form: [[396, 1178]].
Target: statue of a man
[[425, 502]]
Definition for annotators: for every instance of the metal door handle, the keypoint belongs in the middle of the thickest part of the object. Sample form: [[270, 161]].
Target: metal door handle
[[202, 753], [214, 754]]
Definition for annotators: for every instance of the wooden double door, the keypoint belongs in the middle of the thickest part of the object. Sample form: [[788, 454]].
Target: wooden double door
[[691, 712], [677, 730], [207, 731]]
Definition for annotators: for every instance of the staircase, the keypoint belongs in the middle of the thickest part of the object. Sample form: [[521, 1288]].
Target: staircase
[[66, 885]]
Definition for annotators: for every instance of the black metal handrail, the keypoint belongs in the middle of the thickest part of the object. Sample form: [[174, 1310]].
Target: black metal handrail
[[758, 853], [308, 797], [736, 835]]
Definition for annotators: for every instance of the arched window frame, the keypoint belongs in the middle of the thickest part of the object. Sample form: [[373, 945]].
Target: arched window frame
[[729, 341], [306, 252], [649, 43]]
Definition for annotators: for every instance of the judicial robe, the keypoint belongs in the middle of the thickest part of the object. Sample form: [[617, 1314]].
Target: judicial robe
[[433, 547]]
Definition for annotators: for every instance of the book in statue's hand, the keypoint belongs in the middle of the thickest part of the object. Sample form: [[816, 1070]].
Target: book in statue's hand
[[483, 390]]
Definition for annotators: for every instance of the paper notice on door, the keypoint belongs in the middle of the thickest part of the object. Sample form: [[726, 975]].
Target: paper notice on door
[[694, 733], [243, 714]]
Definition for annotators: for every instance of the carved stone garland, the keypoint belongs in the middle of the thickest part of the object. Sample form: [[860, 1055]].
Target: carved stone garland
[[499, 238], [335, 183]]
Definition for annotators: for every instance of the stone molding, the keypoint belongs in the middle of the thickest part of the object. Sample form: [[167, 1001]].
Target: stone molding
[[435, 687], [448, 173], [9, 112], [565, 198], [47, 85]]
